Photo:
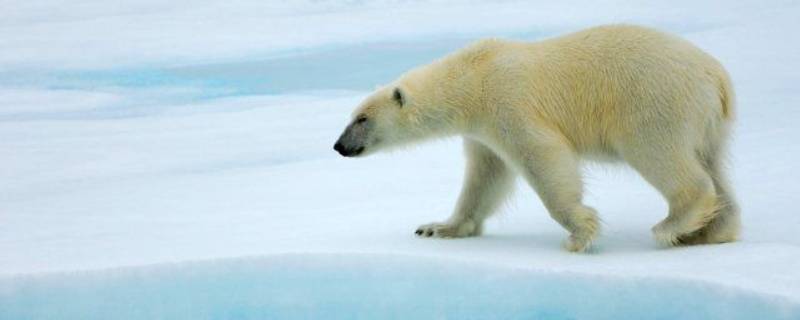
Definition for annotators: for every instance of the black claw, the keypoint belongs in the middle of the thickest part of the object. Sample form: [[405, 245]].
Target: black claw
[[418, 232], [429, 233]]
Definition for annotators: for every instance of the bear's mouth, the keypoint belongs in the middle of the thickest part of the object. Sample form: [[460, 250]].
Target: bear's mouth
[[356, 152]]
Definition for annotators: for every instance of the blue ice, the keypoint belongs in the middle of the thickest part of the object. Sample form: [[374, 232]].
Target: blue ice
[[369, 287]]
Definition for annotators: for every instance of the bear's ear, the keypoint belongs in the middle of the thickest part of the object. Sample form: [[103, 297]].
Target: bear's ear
[[399, 96]]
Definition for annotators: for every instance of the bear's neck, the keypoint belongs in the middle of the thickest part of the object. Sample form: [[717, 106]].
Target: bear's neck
[[456, 91]]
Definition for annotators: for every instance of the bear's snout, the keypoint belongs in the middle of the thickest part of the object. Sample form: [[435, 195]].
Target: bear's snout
[[353, 140], [348, 145], [347, 152]]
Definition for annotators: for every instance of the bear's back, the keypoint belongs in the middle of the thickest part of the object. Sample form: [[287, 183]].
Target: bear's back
[[605, 82]]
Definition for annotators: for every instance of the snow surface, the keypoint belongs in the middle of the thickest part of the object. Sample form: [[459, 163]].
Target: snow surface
[[174, 160]]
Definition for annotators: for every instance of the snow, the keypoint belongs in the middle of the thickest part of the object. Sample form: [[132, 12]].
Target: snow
[[181, 152]]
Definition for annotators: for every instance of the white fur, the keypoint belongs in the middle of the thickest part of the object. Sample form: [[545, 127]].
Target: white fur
[[535, 109]]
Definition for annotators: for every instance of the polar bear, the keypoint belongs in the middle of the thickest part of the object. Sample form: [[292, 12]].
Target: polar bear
[[616, 92]]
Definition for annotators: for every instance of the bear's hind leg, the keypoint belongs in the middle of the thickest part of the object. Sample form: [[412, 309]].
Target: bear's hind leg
[[487, 183], [725, 225], [682, 180]]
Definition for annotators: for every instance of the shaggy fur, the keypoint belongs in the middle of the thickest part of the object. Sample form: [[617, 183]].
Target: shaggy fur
[[535, 109]]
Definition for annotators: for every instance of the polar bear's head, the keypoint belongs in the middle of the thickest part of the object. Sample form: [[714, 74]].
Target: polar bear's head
[[431, 101], [382, 120], [443, 98], [408, 110]]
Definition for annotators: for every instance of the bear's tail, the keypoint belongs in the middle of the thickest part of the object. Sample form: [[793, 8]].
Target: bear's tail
[[726, 95]]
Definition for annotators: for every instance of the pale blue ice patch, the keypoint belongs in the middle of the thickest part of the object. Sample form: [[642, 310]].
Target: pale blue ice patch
[[369, 287], [149, 89], [353, 67]]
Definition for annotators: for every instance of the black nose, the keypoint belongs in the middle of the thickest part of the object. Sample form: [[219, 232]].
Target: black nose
[[347, 152], [339, 148]]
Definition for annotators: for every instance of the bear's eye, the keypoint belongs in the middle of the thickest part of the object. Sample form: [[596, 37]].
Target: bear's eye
[[399, 96], [361, 119]]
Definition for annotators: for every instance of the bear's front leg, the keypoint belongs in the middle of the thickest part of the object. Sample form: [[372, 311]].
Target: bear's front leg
[[487, 184], [551, 167]]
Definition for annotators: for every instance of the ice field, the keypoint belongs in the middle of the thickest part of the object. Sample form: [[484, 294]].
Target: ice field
[[174, 160]]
